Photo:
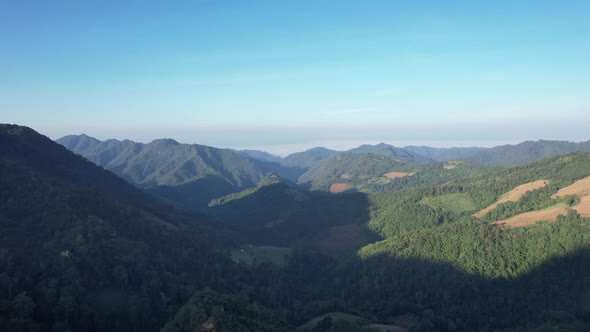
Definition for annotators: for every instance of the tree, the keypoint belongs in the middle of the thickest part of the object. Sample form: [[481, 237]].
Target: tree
[[23, 306]]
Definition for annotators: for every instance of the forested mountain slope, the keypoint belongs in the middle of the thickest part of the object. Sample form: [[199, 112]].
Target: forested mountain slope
[[307, 158], [443, 154], [82, 250], [402, 155], [457, 200], [188, 175], [526, 152], [349, 168]]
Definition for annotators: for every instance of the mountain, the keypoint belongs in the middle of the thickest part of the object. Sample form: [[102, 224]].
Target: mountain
[[458, 200], [259, 155], [392, 152], [526, 152], [187, 175], [353, 169], [82, 250], [308, 158], [443, 154]]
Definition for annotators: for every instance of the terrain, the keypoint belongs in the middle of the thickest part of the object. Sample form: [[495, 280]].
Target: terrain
[[187, 175], [383, 241]]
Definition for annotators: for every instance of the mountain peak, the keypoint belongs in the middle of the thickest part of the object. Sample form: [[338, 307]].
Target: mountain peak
[[165, 141]]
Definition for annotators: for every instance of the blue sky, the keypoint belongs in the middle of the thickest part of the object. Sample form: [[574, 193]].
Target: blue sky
[[286, 75]]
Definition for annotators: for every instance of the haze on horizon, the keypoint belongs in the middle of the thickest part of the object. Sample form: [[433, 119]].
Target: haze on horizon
[[285, 76]]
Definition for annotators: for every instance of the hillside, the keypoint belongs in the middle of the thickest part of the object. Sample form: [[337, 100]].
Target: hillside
[[308, 158], [187, 175], [259, 155], [395, 212], [526, 152], [391, 151], [78, 242], [349, 168], [281, 214], [83, 250], [443, 154]]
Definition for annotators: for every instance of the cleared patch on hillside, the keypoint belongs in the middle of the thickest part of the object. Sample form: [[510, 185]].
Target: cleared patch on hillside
[[252, 254], [339, 187], [396, 175], [456, 203], [452, 164], [513, 195], [530, 218], [578, 188], [583, 208]]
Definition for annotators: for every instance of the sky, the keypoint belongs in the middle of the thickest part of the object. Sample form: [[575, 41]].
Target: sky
[[288, 75]]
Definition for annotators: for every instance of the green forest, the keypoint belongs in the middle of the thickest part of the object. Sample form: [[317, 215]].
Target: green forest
[[81, 249]]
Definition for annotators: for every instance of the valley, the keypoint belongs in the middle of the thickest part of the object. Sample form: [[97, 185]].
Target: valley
[[182, 237]]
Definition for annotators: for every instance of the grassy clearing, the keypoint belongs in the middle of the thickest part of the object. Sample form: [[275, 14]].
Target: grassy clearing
[[251, 254], [456, 203]]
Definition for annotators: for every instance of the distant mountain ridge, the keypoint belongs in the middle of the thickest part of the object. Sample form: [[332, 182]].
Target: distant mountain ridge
[[259, 155], [526, 152], [307, 158], [352, 168], [193, 175], [444, 154], [391, 151]]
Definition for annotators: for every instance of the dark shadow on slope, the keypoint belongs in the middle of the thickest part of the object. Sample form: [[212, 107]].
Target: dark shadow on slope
[[554, 296], [289, 173], [280, 214], [196, 195]]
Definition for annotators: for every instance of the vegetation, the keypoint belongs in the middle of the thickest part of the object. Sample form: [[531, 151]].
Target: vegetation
[[443, 154], [82, 250], [208, 310], [188, 175], [306, 159], [399, 154], [354, 169], [526, 152]]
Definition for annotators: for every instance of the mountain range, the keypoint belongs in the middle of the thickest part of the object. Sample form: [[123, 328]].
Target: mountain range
[[414, 243], [191, 175]]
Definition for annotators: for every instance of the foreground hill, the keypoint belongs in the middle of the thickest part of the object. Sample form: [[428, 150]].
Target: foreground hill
[[526, 152], [461, 198], [438, 267], [82, 250], [188, 175]]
